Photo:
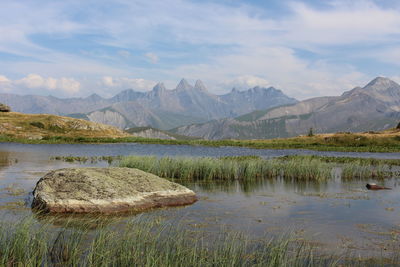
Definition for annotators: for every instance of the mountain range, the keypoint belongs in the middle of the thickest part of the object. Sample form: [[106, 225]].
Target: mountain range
[[256, 113], [375, 106], [160, 108]]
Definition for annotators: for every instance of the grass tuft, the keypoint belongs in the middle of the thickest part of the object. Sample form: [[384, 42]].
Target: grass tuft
[[250, 168], [153, 243]]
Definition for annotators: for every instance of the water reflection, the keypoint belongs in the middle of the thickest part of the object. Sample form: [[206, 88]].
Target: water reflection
[[327, 212], [249, 187], [5, 159]]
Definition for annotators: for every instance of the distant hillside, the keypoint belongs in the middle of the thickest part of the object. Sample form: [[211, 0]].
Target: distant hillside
[[160, 108], [376, 106], [149, 132], [39, 126]]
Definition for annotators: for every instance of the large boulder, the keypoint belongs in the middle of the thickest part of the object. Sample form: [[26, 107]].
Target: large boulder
[[106, 190], [4, 108]]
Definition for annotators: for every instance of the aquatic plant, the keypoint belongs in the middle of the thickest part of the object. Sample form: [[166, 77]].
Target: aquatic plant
[[152, 243], [342, 160], [83, 159], [207, 168], [247, 168]]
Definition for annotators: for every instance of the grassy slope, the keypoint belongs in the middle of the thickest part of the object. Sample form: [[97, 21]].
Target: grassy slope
[[15, 125]]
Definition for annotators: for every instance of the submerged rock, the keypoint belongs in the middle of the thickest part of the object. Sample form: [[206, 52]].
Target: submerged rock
[[106, 190], [372, 186]]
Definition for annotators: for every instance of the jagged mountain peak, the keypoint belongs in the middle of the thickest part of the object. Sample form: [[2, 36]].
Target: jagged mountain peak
[[264, 90], [183, 85], [159, 87], [234, 90], [200, 86], [381, 83]]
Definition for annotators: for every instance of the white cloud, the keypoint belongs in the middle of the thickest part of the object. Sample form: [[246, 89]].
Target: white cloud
[[4, 79], [5, 84], [252, 42], [245, 82], [346, 22], [68, 86], [153, 58], [122, 83], [282, 69], [32, 81]]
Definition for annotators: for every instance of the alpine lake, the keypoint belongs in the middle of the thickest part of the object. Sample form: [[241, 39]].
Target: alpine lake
[[337, 216]]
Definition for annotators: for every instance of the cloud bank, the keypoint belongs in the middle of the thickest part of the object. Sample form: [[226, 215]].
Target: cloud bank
[[306, 48]]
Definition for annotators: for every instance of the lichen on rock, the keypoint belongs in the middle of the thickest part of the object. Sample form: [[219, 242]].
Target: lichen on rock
[[106, 190]]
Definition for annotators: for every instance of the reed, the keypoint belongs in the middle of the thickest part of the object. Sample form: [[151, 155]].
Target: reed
[[343, 160], [299, 168], [152, 243], [251, 168]]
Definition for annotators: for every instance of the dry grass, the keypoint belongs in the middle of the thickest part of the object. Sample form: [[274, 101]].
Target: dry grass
[[38, 126]]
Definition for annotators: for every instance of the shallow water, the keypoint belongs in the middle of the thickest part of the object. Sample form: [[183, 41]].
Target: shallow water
[[336, 215]]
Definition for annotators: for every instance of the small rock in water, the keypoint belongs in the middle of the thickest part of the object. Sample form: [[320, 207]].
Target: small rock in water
[[372, 186], [106, 190]]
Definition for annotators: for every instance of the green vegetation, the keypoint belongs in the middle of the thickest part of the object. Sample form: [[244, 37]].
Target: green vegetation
[[93, 159], [343, 160], [356, 168], [366, 142], [153, 243], [228, 168], [252, 168]]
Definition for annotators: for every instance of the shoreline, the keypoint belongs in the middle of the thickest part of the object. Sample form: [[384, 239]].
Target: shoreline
[[380, 145]]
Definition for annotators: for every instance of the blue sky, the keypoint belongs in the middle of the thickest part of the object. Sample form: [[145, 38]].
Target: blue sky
[[306, 48]]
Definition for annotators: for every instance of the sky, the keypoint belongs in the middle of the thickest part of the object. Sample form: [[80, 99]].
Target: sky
[[306, 48]]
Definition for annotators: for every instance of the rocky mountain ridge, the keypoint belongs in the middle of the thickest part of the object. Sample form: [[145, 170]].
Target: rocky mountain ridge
[[376, 106], [160, 108]]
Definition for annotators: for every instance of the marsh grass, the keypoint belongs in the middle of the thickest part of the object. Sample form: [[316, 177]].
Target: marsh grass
[[84, 159], [145, 243], [250, 168], [344, 160], [207, 169], [356, 168], [155, 243]]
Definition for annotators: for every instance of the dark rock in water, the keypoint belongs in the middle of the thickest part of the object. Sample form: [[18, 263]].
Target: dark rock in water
[[4, 108], [376, 187], [106, 190]]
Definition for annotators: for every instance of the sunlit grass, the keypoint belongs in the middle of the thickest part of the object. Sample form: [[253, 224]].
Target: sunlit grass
[[303, 168], [153, 243], [229, 168]]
